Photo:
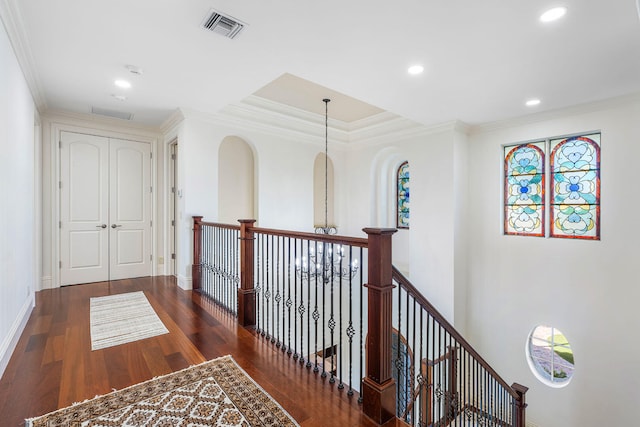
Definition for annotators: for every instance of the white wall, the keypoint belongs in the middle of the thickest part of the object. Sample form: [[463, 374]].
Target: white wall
[[434, 198], [17, 210], [587, 289]]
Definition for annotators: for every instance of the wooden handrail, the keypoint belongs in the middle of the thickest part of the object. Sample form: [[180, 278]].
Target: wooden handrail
[[411, 290], [221, 225], [345, 240]]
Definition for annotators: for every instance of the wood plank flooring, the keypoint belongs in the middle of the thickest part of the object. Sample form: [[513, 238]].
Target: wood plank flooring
[[53, 365]]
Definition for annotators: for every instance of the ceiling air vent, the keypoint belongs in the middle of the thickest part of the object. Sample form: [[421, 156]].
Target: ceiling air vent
[[222, 24], [112, 113]]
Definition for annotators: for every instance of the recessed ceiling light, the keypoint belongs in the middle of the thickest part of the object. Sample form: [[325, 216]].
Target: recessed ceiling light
[[553, 14], [415, 69], [122, 83], [532, 102], [119, 97]]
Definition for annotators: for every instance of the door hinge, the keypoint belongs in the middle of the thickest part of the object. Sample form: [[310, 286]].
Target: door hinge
[[60, 264], [59, 224], [151, 189], [59, 184], [173, 256], [173, 157], [60, 144], [173, 189], [150, 223], [150, 257], [173, 222]]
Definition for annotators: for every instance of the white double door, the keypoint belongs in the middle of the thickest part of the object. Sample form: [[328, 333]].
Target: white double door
[[105, 209]]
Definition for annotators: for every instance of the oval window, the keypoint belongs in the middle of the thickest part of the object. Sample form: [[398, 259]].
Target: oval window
[[550, 356]]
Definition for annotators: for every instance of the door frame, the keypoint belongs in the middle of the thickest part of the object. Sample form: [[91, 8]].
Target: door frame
[[98, 128]]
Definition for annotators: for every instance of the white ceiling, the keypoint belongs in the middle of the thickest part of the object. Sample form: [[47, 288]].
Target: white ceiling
[[482, 59]]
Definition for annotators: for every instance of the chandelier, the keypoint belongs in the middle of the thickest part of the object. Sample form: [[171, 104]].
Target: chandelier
[[326, 265], [322, 262]]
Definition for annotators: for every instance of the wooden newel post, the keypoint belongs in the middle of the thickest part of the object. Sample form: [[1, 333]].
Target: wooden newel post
[[520, 404], [196, 267], [246, 292], [378, 387]]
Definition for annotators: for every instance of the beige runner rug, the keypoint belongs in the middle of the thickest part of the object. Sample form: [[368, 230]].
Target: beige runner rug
[[122, 318], [214, 393]]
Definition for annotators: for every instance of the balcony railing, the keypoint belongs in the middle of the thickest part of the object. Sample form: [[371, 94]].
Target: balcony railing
[[337, 307]]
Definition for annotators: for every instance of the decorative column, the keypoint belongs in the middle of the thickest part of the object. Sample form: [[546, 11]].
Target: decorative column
[[246, 293], [520, 404], [196, 267], [378, 387]]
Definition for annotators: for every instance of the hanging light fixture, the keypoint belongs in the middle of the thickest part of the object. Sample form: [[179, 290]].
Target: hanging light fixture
[[324, 261], [326, 229]]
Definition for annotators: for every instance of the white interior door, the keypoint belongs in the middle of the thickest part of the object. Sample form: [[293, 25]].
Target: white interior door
[[105, 209], [84, 208], [130, 209]]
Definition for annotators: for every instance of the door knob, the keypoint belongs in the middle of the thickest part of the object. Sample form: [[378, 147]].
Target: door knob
[[115, 226], [102, 226]]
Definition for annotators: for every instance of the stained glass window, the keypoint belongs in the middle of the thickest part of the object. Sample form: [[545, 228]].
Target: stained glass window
[[524, 189], [575, 187], [403, 196]]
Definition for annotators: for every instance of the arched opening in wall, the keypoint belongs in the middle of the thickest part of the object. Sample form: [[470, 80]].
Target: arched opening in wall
[[235, 181], [323, 214], [385, 176]]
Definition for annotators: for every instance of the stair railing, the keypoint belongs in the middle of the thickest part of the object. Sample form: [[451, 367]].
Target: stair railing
[[338, 307], [445, 381]]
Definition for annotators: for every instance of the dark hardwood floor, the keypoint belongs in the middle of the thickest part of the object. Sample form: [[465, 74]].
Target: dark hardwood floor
[[53, 365]]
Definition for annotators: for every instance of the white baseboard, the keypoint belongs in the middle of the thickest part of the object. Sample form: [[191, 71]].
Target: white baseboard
[[185, 282], [11, 340]]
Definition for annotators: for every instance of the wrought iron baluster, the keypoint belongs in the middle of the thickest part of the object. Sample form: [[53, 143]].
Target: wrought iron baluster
[[316, 315], [258, 256], [297, 244], [277, 298], [361, 328], [302, 308], [289, 301], [350, 330], [265, 306], [339, 345], [332, 321]]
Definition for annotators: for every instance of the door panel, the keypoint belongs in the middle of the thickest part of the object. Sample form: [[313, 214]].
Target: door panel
[[105, 209], [130, 209], [84, 243]]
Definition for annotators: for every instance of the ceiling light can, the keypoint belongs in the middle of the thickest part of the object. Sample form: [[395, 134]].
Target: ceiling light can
[[124, 84], [415, 69], [553, 14]]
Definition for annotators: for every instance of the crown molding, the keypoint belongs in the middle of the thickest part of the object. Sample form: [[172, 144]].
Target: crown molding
[[14, 26], [172, 121], [590, 107]]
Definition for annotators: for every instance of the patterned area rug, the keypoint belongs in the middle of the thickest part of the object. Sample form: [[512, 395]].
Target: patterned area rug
[[214, 393], [122, 318]]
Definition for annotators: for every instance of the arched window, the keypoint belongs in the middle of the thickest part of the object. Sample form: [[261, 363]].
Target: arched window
[[402, 199], [575, 187], [524, 189]]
